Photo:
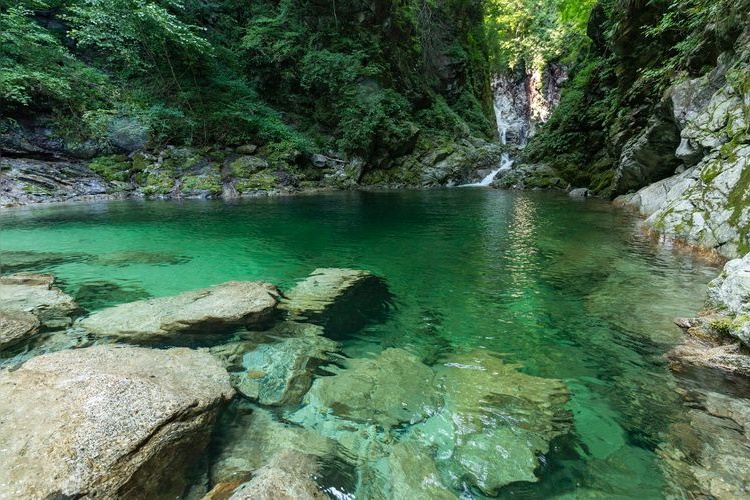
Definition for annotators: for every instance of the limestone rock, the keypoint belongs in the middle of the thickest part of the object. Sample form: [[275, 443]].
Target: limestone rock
[[36, 294], [16, 326], [413, 475], [497, 442], [579, 193], [201, 311], [107, 421], [730, 292], [341, 300], [287, 476], [393, 388], [281, 372]]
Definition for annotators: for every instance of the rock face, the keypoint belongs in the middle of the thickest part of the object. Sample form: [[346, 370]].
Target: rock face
[[529, 176], [709, 203], [36, 294], [720, 337], [341, 300], [31, 181], [107, 421], [497, 442], [200, 311]]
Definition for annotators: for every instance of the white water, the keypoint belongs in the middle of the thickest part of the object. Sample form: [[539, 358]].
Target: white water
[[505, 164], [505, 161]]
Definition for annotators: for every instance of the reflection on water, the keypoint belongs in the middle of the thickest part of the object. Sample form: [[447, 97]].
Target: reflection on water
[[535, 326]]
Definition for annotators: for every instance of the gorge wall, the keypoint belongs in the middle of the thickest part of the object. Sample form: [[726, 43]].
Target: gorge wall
[[657, 112]]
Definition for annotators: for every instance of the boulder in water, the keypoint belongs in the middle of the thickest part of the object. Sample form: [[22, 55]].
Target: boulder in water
[[199, 311], [36, 294], [391, 389], [249, 437], [495, 423], [341, 300], [107, 421]]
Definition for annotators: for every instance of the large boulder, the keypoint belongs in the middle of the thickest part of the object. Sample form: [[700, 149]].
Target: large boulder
[[341, 300], [497, 442], [36, 294], [207, 310], [107, 422]]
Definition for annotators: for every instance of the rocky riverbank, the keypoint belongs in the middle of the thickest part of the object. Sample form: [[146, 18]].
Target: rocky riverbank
[[37, 167]]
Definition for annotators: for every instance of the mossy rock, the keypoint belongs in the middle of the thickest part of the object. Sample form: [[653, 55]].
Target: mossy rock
[[210, 184], [262, 181], [158, 183], [245, 166], [112, 168]]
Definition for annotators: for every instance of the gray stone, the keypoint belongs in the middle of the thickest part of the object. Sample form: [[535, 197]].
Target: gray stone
[[16, 326], [203, 311], [247, 149], [318, 160], [648, 157], [107, 421], [579, 193], [288, 475], [36, 294], [128, 134], [730, 292]]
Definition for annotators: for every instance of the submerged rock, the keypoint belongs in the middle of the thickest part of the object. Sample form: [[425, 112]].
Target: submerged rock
[[16, 326], [201, 311], [27, 260], [391, 389], [130, 257], [36, 294], [495, 423], [341, 300], [96, 294], [281, 372], [107, 421], [248, 438], [287, 475]]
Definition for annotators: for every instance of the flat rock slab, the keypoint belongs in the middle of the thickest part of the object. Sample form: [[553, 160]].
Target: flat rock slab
[[16, 326], [207, 310], [341, 300], [107, 421], [36, 294]]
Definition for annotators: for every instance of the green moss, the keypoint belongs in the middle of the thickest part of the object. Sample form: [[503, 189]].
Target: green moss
[[112, 168], [158, 183], [245, 166], [710, 172], [739, 201], [191, 183], [262, 181]]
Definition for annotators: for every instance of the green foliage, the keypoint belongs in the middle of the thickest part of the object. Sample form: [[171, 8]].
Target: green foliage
[[534, 32]]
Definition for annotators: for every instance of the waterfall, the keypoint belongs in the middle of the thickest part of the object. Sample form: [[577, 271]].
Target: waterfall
[[505, 164]]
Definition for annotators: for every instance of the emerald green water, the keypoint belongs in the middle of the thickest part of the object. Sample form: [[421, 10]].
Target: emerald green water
[[568, 289]]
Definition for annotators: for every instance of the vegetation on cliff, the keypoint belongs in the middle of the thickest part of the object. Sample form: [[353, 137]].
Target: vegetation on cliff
[[366, 79]]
